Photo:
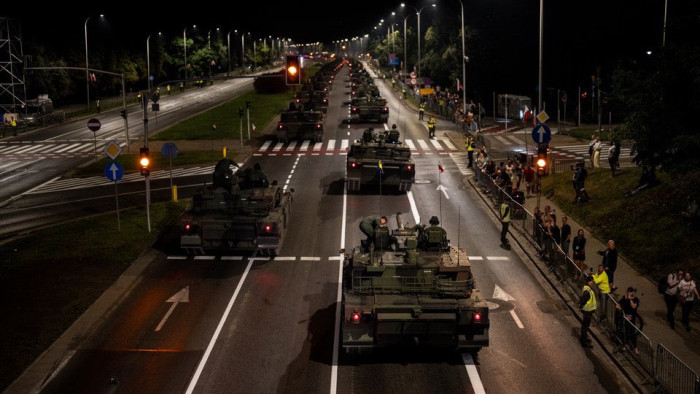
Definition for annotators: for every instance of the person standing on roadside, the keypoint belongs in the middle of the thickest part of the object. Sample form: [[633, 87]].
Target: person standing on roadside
[[591, 143], [628, 305], [610, 262], [565, 235], [470, 150], [687, 294], [421, 110], [597, 147], [671, 296], [579, 246], [588, 305], [601, 280], [612, 159], [529, 175], [505, 223]]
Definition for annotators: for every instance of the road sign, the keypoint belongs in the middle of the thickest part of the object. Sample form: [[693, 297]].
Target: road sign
[[114, 171], [541, 134], [542, 117], [169, 150], [112, 149], [94, 124]]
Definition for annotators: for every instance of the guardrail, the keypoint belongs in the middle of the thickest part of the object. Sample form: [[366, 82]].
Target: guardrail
[[668, 372]]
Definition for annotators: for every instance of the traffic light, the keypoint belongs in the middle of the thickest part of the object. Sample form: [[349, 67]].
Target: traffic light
[[293, 70], [541, 161], [145, 161]]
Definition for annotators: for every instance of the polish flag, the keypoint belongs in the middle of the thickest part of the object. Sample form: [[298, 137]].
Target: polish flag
[[441, 168], [527, 115], [459, 85], [252, 126]]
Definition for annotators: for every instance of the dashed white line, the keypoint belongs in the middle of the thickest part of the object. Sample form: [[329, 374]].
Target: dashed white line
[[517, 319]]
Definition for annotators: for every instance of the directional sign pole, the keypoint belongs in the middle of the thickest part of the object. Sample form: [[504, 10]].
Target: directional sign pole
[[116, 198]]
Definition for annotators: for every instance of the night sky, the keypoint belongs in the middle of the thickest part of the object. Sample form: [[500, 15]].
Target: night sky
[[580, 35]]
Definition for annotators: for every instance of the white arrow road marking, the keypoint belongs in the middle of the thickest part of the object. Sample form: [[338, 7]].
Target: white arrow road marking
[[181, 296], [444, 191], [500, 294]]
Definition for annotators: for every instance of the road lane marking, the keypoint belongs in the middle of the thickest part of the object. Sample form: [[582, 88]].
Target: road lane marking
[[517, 320], [223, 319], [285, 258], [473, 374], [305, 258]]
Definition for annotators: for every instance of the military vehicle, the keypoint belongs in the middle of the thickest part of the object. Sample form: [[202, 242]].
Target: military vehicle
[[372, 109], [299, 124], [312, 100], [239, 212], [380, 157], [410, 288]]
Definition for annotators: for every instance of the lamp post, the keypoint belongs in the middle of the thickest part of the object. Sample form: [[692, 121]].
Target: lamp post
[[184, 44], [539, 96], [148, 60], [87, 72], [663, 36], [464, 68], [418, 12]]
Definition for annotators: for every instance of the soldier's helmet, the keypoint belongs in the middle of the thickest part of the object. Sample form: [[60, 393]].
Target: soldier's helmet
[[434, 221], [393, 126]]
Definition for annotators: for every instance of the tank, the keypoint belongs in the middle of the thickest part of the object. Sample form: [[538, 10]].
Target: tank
[[237, 212], [409, 287], [365, 155]]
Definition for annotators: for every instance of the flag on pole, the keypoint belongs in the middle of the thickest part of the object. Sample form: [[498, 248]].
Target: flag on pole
[[459, 85], [441, 168], [252, 126], [380, 168], [527, 114]]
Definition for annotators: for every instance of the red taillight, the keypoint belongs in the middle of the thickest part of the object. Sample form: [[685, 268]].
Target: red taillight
[[385, 109], [353, 164], [409, 167], [268, 228], [187, 227], [319, 126], [477, 316], [355, 317]]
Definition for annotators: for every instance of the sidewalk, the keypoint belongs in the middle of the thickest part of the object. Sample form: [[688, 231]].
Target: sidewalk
[[684, 345]]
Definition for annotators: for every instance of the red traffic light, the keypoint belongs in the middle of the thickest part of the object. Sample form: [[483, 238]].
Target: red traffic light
[[293, 70], [145, 161]]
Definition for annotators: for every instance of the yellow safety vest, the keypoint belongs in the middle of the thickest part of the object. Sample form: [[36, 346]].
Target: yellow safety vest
[[470, 144], [601, 280], [13, 123], [591, 304], [505, 213]]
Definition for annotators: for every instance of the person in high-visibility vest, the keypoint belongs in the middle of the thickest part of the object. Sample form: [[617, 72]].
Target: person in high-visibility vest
[[421, 110], [588, 305], [470, 150], [431, 126], [505, 222]]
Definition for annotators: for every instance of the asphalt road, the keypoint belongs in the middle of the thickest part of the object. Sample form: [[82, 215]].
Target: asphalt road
[[259, 326]]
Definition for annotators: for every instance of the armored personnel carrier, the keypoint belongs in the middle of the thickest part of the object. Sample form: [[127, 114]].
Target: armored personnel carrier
[[409, 288], [300, 124], [239, 212], [380, 158]]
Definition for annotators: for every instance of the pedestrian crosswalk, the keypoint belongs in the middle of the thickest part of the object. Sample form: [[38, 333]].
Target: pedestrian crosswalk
[[63, 184], [72, 149], [49, 150], [340, 146], [581, 152], [299, 258]]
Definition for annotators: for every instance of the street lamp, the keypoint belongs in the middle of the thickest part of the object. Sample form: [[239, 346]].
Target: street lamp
[[539, 97], [87, 72], [418, 12], [148, 60], [464, 69], [228, 45]]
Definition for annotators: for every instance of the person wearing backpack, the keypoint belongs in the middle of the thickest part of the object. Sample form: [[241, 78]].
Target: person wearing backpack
[[671, 295]]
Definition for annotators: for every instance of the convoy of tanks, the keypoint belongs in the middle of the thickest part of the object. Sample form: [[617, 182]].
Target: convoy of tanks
[[407, 287]]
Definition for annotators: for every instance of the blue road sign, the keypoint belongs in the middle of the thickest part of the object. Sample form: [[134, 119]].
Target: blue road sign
[[169, 150], [541, 134], [114, 171]]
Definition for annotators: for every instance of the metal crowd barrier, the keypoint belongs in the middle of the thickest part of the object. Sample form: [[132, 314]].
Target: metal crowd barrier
[[673, 375], [668, 372]]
